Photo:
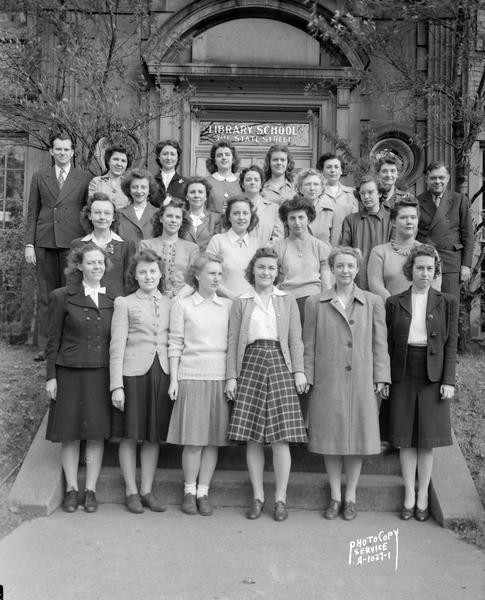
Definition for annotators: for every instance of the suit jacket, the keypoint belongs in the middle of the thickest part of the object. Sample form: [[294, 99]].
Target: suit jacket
[[442, 329], [449, 228], [138, 334], [397, 196], [175, 188], [78, 331], [115, 277], [130, 228], [211, 224], [53, 214], [289, 332]]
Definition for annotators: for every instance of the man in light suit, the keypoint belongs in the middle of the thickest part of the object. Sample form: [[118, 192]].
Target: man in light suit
[[445, 222], [56, 197]]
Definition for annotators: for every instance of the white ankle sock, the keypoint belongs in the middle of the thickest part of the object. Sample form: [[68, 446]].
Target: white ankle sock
[[202, 490], [190, 488]]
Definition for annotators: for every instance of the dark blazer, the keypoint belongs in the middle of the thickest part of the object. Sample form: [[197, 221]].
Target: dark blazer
[[449, 228], [130, 228], [175, 188], [211, 224], [116, 276], [78, 332], [53, 214], [442, 328]]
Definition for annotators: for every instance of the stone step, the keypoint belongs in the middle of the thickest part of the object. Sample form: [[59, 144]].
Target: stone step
[[233, 458], [232, 488]]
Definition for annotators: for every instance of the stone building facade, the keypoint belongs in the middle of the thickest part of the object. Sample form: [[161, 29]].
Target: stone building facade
[[258, 76]]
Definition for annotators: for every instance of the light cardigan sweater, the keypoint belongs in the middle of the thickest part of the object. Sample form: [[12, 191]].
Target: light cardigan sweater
[[139, 332], [289, 332], [198, 335]]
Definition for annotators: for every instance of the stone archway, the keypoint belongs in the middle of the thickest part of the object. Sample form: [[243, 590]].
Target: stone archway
[[323, 82]]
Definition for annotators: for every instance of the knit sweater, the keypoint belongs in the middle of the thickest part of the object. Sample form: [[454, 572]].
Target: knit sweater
[[198, 335]]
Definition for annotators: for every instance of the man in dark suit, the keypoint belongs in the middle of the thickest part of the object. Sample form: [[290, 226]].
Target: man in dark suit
[[445, 222], [56, 198]]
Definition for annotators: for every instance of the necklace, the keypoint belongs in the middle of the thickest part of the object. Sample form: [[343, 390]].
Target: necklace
[[402, 251], [299, 247]]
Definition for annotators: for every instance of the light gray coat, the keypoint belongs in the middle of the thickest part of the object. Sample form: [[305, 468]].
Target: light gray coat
[[345, 354]]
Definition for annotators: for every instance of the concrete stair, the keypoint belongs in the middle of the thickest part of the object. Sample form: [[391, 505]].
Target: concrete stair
[[39, 486], [380, 487]]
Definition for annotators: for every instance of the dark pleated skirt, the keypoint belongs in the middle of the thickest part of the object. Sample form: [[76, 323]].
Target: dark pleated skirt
[[418, 418], [82, 410], [266, 408], [147, 407]]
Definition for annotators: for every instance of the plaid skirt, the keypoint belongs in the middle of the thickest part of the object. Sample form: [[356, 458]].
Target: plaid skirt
[[266, 408]]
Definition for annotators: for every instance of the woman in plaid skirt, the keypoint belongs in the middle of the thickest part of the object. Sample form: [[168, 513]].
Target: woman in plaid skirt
[[264, 374]]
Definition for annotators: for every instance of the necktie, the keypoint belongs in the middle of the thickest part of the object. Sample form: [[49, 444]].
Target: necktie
[[61, 179], [436, 200]]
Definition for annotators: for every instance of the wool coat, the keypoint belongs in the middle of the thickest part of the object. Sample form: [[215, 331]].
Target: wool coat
[[345, 355]]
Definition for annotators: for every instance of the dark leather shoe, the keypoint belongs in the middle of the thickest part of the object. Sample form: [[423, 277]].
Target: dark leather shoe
[[153, 503], [71, 501], [90, 502], [40, 356], [280, 511], [133, 504], [255, 510], [189, 504], [350, 511], [333, 510], [406, 513], [205, 506], [421, 515]]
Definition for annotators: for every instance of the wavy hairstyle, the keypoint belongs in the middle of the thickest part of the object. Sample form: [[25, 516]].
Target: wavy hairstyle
[[171, 201], [84, 219], [194, 269], [139, 174], [302, 175], [328, 156], [146, 255], [254, 168], [161, 145], [211, 161], [108, 153], [298, 202], [421, 250], [355, 252], [227, 213], [265, 252], [196, 179], [76, 256], [407, 201], [290, 167]]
